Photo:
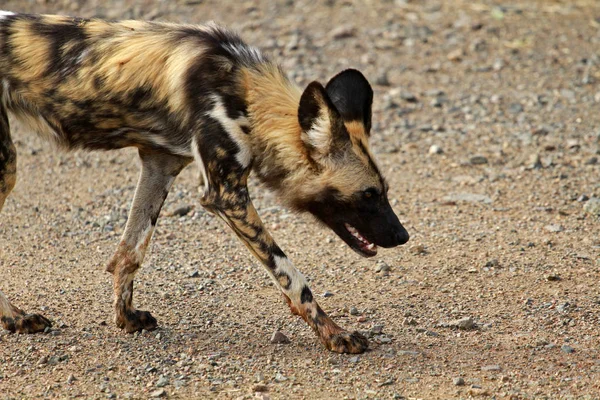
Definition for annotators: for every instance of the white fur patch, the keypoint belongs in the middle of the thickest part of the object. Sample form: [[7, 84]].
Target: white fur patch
[[199, 162], [245, 53], [234, 130], [294, 292], [319, 135], [142, 245], [4, 14], [126, 293]]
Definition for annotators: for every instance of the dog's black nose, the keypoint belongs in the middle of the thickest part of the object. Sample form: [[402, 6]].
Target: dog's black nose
[[402, 236]]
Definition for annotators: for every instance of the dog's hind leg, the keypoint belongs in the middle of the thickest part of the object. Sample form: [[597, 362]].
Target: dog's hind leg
[[232, 203], [158, 173], [12, 318]]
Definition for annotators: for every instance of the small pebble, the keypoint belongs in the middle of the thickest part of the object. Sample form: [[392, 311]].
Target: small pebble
[[260, 388], [567, 349], [435, 149], [463, 323], [478, 160], [158, 393], [554, 228], [381, 266], [458, 381], [354, 311], [162, 382], [279, 338], [491, 368]]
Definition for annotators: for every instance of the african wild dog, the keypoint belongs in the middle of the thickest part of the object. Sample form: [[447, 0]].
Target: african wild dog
[[181, 93]]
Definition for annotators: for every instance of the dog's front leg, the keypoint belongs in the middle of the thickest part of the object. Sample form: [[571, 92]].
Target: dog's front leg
[[234, 206]]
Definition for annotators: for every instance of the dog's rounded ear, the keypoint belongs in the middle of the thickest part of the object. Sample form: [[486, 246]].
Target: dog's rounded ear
[[352, 95], [321, 122], [312, 104]]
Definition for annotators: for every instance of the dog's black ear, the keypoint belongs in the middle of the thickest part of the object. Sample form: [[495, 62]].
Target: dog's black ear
[[352, 95], [321, 123]]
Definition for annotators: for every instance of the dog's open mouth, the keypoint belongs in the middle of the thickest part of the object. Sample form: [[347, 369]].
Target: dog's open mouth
[[361, 243]]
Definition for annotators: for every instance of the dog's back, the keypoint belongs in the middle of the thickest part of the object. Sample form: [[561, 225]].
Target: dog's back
[[89, 83]]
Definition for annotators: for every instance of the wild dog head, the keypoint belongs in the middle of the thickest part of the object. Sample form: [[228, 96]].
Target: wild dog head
[[346, 190]]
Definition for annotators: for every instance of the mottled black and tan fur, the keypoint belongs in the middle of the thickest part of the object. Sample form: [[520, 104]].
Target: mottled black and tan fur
[[184, 93]]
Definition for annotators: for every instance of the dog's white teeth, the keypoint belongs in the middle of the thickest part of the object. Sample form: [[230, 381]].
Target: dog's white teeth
[[352, 229], [370, 246]]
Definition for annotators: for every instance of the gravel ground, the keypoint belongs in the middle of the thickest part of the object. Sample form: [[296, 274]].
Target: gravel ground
[[486, 123]]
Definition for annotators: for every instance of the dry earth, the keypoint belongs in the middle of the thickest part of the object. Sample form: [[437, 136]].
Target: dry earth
[[502, 228]]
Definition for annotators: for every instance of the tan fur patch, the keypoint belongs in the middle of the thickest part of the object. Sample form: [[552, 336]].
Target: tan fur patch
[[30, 49]]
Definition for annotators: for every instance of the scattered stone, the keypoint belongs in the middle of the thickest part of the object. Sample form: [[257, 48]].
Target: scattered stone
[[553, 278], [567, 349], [591, 161], [178, 384], [43, 360], [593, 206], [535, 162], [381, 266], [194, 274], [418, 249], [466, 323], [354, 359], [468, 197], [493, 263], [382, 78], [162, 382], [182, 211], [354, 311], [494, 367], [478, 160], [327, 294], [435, 149], [583, 198], [259, 387], [71, 379], [563, 307], [377, 329], [455, 55], [409, 322], [279, 338], [158, 393], [280, 378], [554, 228], [387, 382], [458, 381], [409, 97], [342, 32], [515, 108], [408, 353]]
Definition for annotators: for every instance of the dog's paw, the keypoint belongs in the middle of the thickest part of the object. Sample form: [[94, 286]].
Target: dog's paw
[[136, 320], [346, 342], [26, 323]]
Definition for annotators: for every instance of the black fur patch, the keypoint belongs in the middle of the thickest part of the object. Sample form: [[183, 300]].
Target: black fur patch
[[352, 95], [306, 296]]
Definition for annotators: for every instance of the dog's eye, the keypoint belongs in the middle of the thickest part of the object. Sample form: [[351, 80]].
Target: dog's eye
[[370, 193]]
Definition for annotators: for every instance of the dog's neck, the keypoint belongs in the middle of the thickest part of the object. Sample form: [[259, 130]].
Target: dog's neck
[[280, 156]]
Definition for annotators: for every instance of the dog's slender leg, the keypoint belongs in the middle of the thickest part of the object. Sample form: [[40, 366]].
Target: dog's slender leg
[[158, 173], [12, 318], [235, 207]]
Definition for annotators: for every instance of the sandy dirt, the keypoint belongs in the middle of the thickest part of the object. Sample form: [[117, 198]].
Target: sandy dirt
[[487, 125]]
